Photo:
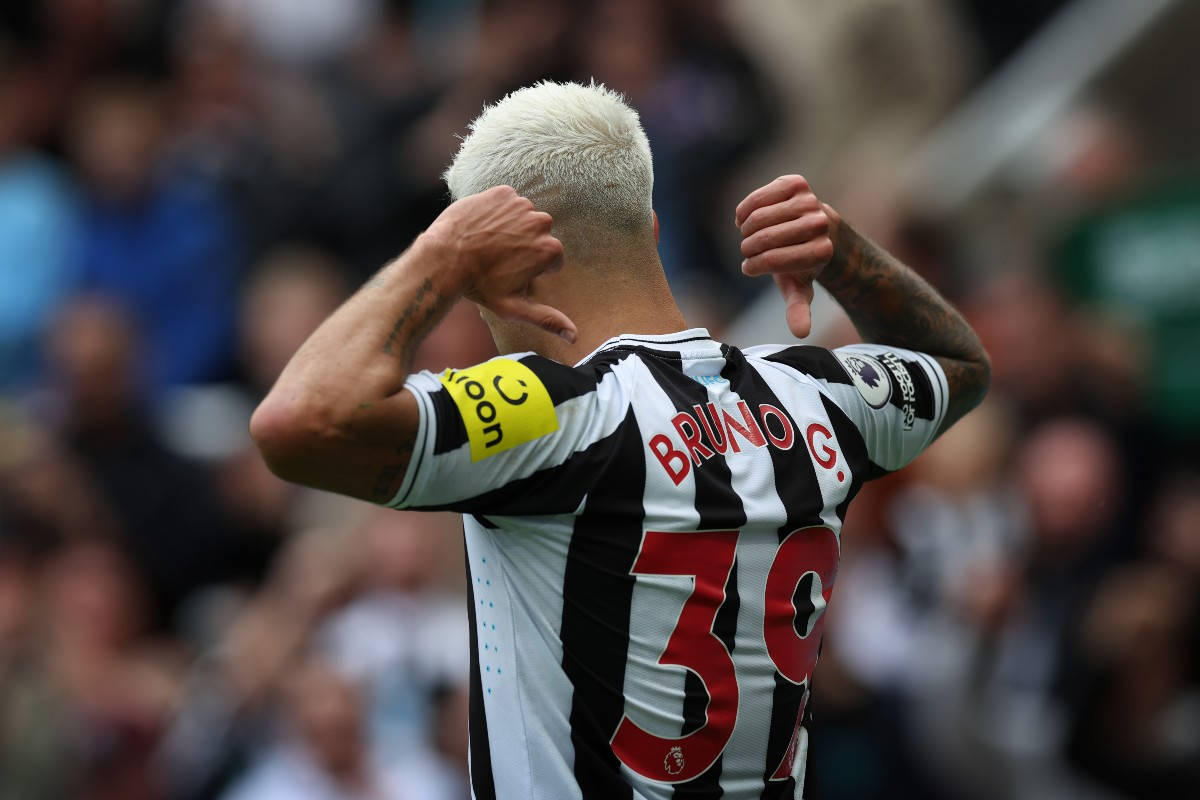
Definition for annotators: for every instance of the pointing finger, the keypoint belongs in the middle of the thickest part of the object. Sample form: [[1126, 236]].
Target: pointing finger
[[543, 316]]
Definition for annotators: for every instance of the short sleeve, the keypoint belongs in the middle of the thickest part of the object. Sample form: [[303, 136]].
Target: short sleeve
[[896, 399], [513, 435]]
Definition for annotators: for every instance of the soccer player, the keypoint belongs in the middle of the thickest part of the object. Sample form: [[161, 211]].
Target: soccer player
[[652, 517]]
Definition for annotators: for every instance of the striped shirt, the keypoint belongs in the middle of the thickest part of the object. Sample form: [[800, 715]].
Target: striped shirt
[[652, 539]]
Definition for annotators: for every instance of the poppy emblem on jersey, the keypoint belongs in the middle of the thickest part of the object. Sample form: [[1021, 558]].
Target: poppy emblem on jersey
[[502, 403], [869, 378]]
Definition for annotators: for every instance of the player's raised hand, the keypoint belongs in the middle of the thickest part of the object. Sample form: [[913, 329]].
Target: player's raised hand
[[500, 243], [786, 234]]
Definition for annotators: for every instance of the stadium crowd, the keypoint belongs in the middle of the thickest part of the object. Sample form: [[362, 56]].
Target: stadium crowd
[[187, 188]]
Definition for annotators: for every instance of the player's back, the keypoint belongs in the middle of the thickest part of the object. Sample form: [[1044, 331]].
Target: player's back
[[651, 546]]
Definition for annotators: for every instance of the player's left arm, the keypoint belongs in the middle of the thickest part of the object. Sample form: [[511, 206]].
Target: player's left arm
[[339, 417], [791, 235]]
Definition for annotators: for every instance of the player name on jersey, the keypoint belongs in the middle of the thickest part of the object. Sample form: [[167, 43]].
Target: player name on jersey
[[709, 430]]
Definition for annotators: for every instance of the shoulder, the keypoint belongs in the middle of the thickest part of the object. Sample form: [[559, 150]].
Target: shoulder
[[807, 360], [517, 378]]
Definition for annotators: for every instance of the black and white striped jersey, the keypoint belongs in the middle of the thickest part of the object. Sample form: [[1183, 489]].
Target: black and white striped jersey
[[652, 538]]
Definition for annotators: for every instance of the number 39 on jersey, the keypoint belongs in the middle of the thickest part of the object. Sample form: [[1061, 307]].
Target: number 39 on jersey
[[792, 638]]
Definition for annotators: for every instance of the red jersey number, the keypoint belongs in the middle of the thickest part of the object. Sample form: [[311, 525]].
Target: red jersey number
[[707, 557]]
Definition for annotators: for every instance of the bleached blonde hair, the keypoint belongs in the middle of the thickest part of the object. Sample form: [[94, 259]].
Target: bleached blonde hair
[[578, 152]]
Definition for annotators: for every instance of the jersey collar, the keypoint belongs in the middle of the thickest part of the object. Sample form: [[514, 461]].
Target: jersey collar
[[680, 342]]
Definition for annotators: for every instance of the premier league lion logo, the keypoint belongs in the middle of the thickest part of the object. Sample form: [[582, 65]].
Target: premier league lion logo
[[868, 376], [673, 763]]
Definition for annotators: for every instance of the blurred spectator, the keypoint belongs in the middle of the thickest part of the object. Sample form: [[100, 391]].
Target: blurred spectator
[[1026, 328], [1136, 688], [338, 155], [402, 638], [288, 294], [164, 245], [247, 645], [955, 519], [1071, 481], [52, 49], [864, 749], [316, 31], [1173, 523], [326, 756], [163, 505], [36, 232], [82, 714], [47, 496]]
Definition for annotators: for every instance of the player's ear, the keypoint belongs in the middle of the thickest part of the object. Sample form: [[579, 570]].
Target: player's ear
[[654, 215]]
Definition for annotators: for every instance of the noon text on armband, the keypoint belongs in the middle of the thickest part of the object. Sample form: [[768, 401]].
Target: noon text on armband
[[908, 392], [709, 430]]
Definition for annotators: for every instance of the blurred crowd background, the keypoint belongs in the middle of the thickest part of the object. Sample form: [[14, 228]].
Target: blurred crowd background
[[188, 187]]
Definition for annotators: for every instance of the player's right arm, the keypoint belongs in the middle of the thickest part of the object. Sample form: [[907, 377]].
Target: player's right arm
[[791, 235], [339, 417]]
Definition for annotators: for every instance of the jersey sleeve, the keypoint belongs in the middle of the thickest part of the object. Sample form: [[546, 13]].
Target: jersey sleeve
[[513, 435], [895, 398]]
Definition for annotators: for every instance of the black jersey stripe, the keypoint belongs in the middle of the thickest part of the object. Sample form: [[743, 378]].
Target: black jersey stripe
[[483, 782], [718, 507], [795, 476], [565, 383], [935, 386], [555, 490], [717, 504], [818, 362], [451, 432], [854, 448], [597, 598], [798, 490]]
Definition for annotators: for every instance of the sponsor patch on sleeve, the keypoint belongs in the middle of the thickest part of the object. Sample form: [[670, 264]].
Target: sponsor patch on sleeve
[[908, 392], [503, 404], [868, 376]]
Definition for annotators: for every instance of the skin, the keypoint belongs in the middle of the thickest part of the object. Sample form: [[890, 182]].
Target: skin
[[339, 418]]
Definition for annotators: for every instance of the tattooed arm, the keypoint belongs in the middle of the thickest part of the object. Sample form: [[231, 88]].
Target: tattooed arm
[[890, 304], [791, 235], [339, 418]]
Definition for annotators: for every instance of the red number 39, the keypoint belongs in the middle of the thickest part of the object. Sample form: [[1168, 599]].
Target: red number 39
[[708, 556]]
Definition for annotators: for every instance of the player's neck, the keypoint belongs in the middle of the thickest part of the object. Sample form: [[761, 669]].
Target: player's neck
[[649, 312], [603, 303]]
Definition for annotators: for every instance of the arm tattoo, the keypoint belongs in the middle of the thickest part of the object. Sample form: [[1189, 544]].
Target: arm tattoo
[[387, 483], [418, 318], [892, 305]]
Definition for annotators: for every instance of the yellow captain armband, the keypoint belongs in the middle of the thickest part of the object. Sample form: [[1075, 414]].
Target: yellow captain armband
[[503, 404]]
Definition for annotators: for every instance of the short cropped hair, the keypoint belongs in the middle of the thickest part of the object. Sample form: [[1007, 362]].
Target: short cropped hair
[[578, 152]]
